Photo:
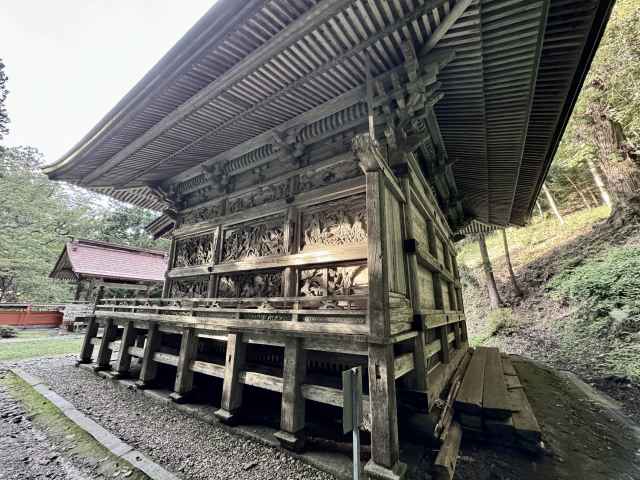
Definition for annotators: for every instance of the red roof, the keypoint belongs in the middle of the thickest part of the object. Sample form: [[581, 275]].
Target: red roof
[[106, 260]]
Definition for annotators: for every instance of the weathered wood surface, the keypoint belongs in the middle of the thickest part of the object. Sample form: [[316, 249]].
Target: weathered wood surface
[[495, 402], [469, 398], [445, 463]]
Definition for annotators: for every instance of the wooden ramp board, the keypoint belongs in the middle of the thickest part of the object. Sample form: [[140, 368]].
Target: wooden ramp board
[[526, 425], [495, 402], [469, 398]]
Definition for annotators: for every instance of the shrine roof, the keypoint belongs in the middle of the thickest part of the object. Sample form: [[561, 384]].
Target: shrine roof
[[90, 258], [251, 71]]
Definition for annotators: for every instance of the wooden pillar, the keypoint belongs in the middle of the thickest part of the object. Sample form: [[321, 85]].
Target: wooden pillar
[[232, 388], [104, 352], [385, 450], [86, 351], [149, 366], [124, 357], [419, 374], [292, 413], [184, 374], [290, 274]]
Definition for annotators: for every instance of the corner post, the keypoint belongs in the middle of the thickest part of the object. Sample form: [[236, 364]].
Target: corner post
[[292, 414], [87, 345], [104, 352], [124, 357], [385, 449], [232, 388], [184, 374], [149, 365]]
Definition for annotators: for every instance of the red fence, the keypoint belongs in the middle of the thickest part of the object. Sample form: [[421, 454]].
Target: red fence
[[28, 318]]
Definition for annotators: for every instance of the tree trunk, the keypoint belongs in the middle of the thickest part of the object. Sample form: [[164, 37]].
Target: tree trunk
[[494, 297], [594, 199], [540, 209], [578, 191], [618, 165], [516, 288], [552, 203], [597, 179]]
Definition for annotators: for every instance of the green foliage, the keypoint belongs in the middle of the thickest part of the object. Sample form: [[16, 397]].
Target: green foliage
[[4, 118], [39, 216], [606, 283], [8, 332]]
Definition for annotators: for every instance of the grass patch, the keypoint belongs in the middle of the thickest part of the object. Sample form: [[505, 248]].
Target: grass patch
[[39, 348], [527, 244], [500, 320], [65, 434]]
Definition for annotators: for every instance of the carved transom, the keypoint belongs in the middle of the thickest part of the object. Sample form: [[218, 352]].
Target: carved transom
[[327, 281]]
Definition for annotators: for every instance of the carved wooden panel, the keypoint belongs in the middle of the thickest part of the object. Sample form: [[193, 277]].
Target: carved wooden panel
[[335, 224], [259, 196], [254, 240], [189, 288], [251, 284], [194, 251], [327, 281], [200, 214], [327, 176]]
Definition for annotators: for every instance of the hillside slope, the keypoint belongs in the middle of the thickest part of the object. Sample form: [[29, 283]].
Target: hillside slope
[[581, 307]]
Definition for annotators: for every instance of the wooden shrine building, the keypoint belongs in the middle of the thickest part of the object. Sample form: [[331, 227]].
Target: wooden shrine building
[[96, 267], [315, 160]]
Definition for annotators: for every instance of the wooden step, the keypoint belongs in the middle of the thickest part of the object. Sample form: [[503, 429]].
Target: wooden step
[[526, 425], [495, 402], [469, 398]]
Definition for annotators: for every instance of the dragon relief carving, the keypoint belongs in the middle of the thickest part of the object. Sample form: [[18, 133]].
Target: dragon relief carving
[[327, 176], [319, 282], [201, 214], [337, 224], [250, 285], [194, 251], [260, 196], [259, 240], [189, 288]]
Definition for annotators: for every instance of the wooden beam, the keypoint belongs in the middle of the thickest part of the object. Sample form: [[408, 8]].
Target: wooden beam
[[442, 29], [124, 356], [232, 388], [103, 360], [86, 351], [149, 366], [184, 374], [292, 413]]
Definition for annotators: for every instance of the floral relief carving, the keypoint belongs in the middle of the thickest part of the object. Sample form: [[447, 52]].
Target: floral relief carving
[[250, 285], [259, 240], [194, 251], [336, 224], [189, 288]]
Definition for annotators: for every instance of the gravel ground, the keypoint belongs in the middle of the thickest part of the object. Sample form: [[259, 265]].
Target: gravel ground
[[184, 445], [26, 452]]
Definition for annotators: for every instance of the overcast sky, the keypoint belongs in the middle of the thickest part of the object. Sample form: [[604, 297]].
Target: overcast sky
[[70, 61]]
